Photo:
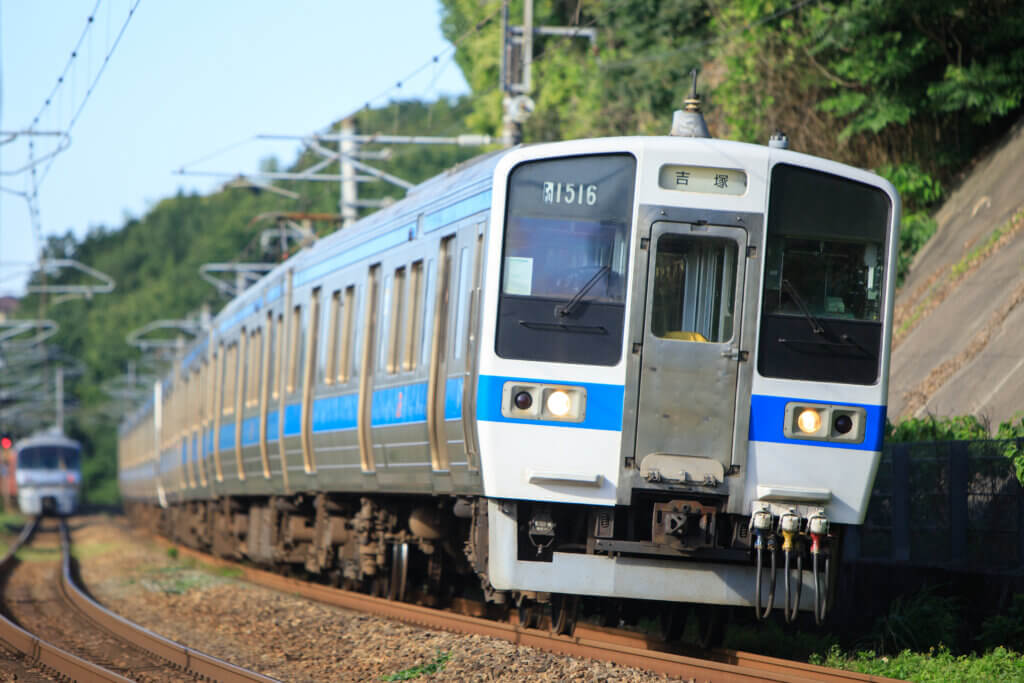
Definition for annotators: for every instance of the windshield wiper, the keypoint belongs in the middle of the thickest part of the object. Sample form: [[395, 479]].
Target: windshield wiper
[[816, 326], [570, 306], [850, 341], [563, 327]]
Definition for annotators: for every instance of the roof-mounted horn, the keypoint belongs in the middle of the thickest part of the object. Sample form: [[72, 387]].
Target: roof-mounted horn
[[688, 122]]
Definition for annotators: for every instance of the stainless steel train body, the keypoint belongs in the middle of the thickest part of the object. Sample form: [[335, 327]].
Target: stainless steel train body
[[48, 471], [633, 358]]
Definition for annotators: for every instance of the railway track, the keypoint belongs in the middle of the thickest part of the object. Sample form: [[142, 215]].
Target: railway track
[[57, 627], [615, 645]]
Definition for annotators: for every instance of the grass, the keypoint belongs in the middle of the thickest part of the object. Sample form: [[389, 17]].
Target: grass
[[82, 551], [428, 669], [938, 664], [35, 554], [923, 637], [11, 520]]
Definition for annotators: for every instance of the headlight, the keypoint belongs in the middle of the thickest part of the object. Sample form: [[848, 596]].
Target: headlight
[[809, 421], [559, 404]]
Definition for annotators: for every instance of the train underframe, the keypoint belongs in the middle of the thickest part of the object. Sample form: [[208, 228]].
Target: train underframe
[[431, 550]]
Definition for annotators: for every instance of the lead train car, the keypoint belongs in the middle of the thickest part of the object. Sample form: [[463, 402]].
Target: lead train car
[[630, 367], [48, 474]]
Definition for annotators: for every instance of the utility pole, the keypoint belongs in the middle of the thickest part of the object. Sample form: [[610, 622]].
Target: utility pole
[[347, 148], [60, 399], [517, 67]]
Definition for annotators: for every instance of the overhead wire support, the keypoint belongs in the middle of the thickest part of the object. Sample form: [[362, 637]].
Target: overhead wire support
[[105, 286]]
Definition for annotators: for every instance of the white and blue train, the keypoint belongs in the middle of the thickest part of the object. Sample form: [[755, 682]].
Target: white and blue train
[[48, 473], [649, 368]]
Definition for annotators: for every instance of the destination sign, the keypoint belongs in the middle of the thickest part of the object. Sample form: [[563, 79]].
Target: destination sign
[[702, 179]]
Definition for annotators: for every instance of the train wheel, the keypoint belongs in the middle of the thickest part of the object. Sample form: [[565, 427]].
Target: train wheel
[[710, 625], [529, 613], [673, 621], [399, 571], [564, 611]]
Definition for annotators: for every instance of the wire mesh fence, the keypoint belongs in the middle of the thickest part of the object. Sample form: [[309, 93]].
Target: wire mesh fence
[[955, 505]]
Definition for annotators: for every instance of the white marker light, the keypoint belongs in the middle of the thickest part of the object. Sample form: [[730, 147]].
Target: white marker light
[[559, 404], [809, 421]]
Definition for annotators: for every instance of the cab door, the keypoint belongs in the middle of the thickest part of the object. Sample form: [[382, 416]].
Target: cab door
[[690, 354]]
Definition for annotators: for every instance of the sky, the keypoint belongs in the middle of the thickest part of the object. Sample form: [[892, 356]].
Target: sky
[[189, 80]]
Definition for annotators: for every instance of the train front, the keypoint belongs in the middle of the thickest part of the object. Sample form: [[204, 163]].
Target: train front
[[48, 473], [683, 367]]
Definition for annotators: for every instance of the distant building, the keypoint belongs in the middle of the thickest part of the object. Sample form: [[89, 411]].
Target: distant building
[[8, 305]]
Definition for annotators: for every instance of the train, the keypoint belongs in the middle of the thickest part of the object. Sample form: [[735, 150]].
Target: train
[[48, 474], [599, 372]]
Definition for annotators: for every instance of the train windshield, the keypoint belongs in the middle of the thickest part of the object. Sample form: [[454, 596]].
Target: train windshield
[[825, 259], [565, 260], [48, 458]]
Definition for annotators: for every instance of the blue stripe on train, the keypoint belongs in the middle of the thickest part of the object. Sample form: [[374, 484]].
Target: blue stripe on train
[[406, 404], [603, 409], [768, 417], [250, 431]]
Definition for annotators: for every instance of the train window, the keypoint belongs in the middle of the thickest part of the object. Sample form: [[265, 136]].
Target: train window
[[414, 316], [461, 301], [181, 430], [385, 318], [694, 289], [428, 313], [358, 314], [230, 378], [312, 338], [243, 369], [330, 371], [370, 318], [295, 343], [345, 351], [255, 367], [825, 258], [49, 458], [395, 328], [276, 354], [201, 400], [566, 250]]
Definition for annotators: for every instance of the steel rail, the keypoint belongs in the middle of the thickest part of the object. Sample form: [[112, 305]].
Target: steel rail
[[613, 645], [39, 651], [192, 661]]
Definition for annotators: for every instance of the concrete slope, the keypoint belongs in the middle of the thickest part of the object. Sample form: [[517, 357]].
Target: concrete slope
[[959, 334]]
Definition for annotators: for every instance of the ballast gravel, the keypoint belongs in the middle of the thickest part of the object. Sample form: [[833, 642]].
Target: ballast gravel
[[292, 638]]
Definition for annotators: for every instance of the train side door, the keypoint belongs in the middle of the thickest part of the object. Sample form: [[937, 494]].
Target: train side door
[[690, 354]]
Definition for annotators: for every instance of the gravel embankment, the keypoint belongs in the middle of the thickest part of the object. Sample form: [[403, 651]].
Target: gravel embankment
[[289, 637]]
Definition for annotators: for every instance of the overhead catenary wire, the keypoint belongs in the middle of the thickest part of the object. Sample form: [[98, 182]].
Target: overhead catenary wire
[[449, 52], [92, 86], [67, 66]]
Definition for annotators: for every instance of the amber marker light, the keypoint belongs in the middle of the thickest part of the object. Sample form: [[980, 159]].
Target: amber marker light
[[559, 404], [809, 421]]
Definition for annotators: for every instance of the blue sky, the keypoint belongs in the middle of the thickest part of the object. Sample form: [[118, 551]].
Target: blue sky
[[189, 78]]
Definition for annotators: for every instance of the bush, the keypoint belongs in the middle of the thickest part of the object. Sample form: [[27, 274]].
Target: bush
[[916, 623]]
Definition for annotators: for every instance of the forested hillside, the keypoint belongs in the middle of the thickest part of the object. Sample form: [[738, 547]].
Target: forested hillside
[[911, 89]]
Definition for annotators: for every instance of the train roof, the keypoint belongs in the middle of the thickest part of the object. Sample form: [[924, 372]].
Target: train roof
[[50, 438]]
